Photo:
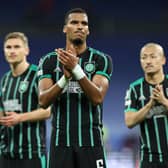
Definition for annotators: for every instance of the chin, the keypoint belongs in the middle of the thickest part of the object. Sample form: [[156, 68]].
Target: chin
[[77, 41]]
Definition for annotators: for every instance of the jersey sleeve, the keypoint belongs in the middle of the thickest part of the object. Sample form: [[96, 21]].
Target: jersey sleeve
[[131, 100], [105, 66], [46, 67]]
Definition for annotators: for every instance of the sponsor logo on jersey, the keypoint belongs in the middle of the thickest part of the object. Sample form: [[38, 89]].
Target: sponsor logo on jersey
[[73, 87], [12, 105], [157, 110]]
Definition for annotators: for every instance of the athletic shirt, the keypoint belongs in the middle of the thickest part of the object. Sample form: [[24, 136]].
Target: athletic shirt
[[19, 94], [76, 121], [154, 129]]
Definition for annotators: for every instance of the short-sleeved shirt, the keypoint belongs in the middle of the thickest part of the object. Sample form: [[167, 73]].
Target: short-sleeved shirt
[[154, 129], [20, 94], [76, 121]]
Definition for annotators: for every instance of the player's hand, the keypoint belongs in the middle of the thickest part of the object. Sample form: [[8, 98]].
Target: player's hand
[[158, 94], [11, 119], [68, 58]]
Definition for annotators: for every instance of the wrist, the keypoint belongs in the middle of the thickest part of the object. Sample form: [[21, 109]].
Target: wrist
[[62, 82], [78, 72]]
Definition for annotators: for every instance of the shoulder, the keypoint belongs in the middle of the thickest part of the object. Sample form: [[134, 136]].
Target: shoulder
[[33, 67], [6, 74], [101, 56], [46, 57], [97, 52], [137, 82]]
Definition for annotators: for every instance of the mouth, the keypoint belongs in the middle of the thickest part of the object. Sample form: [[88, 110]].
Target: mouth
[[79, 33], [148, 67]]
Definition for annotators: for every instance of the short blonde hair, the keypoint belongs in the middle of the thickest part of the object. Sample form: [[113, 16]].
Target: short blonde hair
[[17, 35]]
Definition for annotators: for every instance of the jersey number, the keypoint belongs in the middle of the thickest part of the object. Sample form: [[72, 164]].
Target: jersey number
[[99, 163]]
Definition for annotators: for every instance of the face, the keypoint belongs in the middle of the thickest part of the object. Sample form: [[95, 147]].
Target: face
[[15, 51], [77, 27], [152, 59]]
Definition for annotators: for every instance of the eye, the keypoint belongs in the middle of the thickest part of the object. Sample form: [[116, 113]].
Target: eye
[[85, 23], [74, 22], [8, 47]]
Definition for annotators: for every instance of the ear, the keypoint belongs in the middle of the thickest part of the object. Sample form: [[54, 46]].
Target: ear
[[64, 29], [27, 51], [88, 32], [164, 60]]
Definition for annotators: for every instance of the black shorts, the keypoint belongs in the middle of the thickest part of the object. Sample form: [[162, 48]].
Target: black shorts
[[23, 163], [153, 165], [78, 157]]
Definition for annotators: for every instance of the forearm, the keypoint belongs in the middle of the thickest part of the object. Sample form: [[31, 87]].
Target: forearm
[[95, 89], [165, 103], [39, 114], [48, 95], [134, 118], [92, 91]]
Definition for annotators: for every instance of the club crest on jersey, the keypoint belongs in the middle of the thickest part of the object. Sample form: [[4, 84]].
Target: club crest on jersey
[[89, 67], [23, 86]]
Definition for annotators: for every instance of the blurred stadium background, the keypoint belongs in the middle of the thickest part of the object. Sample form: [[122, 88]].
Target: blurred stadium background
[[119, 28]]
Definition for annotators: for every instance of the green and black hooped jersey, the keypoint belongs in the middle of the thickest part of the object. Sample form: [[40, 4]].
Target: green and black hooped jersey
[[76, 122], [19, 94], [154, 129]]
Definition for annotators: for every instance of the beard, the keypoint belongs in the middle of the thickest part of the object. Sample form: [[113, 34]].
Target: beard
[[77, 42]]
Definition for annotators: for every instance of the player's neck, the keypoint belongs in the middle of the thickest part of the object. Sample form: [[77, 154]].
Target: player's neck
[[78, 49], [155, 78], [19, 68]]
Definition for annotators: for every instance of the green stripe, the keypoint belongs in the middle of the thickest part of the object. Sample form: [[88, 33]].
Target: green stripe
[[79, 120], [103, 74], [12, 128], [21, 124], [140, 81], [29, 110], [100, 122], [148, 142], [104, 156], [43, 161], [158, 140], [58, 112], [45, 76], [79, 115], [131, 109], [38, 138], [166, 128], [142, 146], [57, 125], [90, 106], [68, 119]]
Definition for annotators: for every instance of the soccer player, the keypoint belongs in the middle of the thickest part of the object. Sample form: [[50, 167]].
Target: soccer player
[[74, 80], [146, 104], [22, 135]]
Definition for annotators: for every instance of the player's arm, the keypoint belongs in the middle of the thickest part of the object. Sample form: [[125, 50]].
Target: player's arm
[[48, 91], [133, 118], [95, 89], [13, 118]]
